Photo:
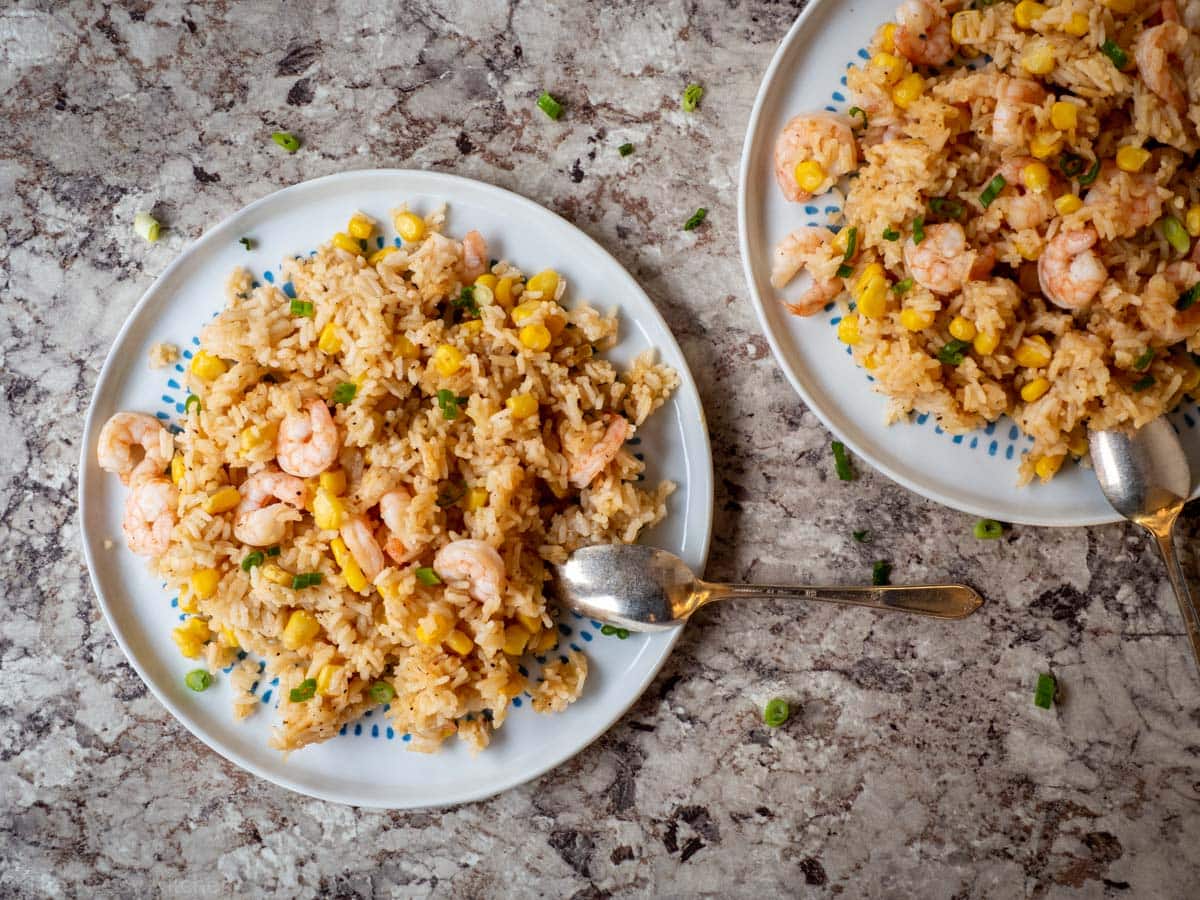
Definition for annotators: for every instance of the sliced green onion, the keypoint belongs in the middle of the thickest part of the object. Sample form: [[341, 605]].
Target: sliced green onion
[[427, 576], [1187, 298], [841, 462], [858, 111], [1176, 234], [776, 712], [891, 234], [988, 530], [252, 559], [302, 308], [1142, 383], [952, 352], [944, 206], [622, 634], [1090, 176], [305, 691], [247, 243], [146, 226], [1119, 57], [625, 149], [992, 191], [851, 243], [382, 692], [608, 630], [448, 403], [1071, 164], [903, 286], [549, 105], [861, 536], [286, 140], [345, 392], [1144, 360], [192, 402], [274, 551], [466, 302], [697, 217], [844, 271], [918, 230], [450, 495], [691, 97], [198, 680], [303, 580], [1047, 687], [881, 574]]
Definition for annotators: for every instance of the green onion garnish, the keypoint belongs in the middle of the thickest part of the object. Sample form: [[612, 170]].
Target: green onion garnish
[[273, 551], [1176, 234], [858, 111], [891, 234], [448, 496], [1090, 176], [944, 206], [1142, 383], [952, 352], [881, 573], [448, 403], [1071, 165], [988, 530], [252, 559], [851, 243], [696, 218], [427, 576], [303, 580], [844, 271], [198, 680], [622, 634], [466, 302], [918, 230], [247, 243], [1043, 695], [861, 536], [608, 630], [691, 97], [345, 392], [302, 308], [382, 692], [992, 191], [903, 286], [841, 462], [549, 105], [146, 226], [1119, 57], [286, 140], [1188, 297], [306, 690], [776, 712], [1144, 360], [625, 149], [192, 402]]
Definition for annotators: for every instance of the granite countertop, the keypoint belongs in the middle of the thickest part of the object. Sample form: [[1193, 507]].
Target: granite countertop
[[915, 763]]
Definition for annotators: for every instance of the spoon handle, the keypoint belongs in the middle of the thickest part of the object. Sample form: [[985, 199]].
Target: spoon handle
[[1187, 603], [942, 601]]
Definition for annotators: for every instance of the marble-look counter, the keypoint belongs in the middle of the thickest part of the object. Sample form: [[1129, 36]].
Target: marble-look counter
[[916, 763]]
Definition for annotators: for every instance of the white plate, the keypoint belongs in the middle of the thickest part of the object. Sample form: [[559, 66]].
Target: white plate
[[975, 473], [369, 765]]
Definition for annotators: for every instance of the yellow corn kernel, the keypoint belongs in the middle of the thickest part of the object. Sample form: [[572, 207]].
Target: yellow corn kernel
[[1033, 352], [809, 175], [227, 638], [343, 241], [872, 272], [459, 642], [545, 283], [1047, 467], [1029, 246], [556, 321], [253, 436], [847, 330], [1045, 145], [333, 481], [962, 329], [341, 553], [360, 226], [1191, 221], [302, 626], [190, 637], [535, 337], [522, 406], [532, 624], [203, 583], [178, 469], [476, 498], [381, 254], [985, 343], [471, 327], [1079, 445], [325, 677], [351, 571], [1027, 12], [504, 291], [329, 342], [1121, 7], [409, 226], [872, 293], [1036, 177], [487, 280], [525, 311], [1038, 57], [908, 90], [406, 349], [841, 240], [1131, 159], [963, 24], [276, 575], [436, 634], [1035, 389], [1077, 25], [916, 319], [206, 367], [221, 500], [447, 359], [870, 362], [891, 65], [515, 639], [1067, 204], [328, 510], [187, 602], [1064, 116]]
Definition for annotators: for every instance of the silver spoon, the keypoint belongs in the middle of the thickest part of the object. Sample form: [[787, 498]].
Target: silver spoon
[[1146, 478], [644, 589]]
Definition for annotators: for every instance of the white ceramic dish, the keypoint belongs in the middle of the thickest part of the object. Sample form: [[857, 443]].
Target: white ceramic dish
[[975, 473], [368, 765]]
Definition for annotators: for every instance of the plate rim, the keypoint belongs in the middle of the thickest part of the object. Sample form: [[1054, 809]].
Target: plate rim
[[926, 490], [444, 183]]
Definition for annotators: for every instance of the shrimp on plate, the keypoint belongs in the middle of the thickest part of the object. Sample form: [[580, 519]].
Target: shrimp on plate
[[824, 139], [260, 523], [923, 33], [475, 562], [150, 511], [585, 469], [308, 441], [134, 446], [943, 262], [1070, 271], [805, 248]]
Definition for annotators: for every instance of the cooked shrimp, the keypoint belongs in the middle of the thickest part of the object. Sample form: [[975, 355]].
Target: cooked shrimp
[[1069, 270], [259, 523], [1158, 310], [475, 562], [127, 432], [923, 34], [823, 137], [475, 255], [308, 441], [1023, 208], [360, 541], [942, 262], [401, 544], [150, 516], [592, 463], [1013, 117], [1153, 51], [797, 251], [1132, 198]]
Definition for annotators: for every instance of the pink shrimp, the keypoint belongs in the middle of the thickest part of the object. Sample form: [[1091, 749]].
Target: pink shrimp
[[150, 516], [823, 137], [943, 261], [308, 441], [259, 523], [799, 250], [1070, 271], [123, 436], [475, 255], [585, 469], [1023, 208], [475, 562], [1159, 310], [360, 541], [401, 544], [1153, 51], [923, 34], [1013, 118], [1131, 198]]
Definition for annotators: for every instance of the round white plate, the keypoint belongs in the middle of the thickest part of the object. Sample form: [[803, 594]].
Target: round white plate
[[975, 473], [369, 765]]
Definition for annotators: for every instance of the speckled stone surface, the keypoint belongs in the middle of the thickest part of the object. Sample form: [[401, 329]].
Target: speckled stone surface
[[915, 764]]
